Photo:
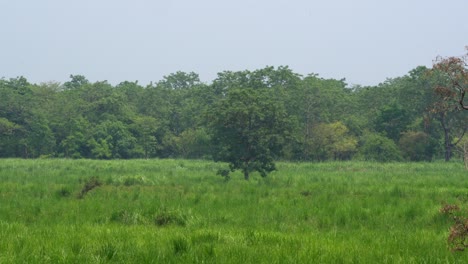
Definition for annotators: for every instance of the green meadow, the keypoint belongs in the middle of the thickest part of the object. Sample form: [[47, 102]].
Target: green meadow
[[180, 211]]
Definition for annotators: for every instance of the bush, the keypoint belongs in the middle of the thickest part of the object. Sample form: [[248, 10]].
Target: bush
[[90, 184], [170, 217], [458, 236]]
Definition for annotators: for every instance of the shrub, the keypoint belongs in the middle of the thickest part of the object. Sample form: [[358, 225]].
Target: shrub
[[90, 184], [224, 173], [458, 234], [170, 217]]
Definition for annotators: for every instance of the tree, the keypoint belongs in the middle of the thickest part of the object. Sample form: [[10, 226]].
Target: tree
[[318, 101], [451, 84], [29, 134], [379, 148], [341, 144], [180, 80], [145, 128], [249, 129], [73, 136], [417, 146], [7, 129], [453, 73], [392, 120], [112, 139], [76, 82], [330, 141], [193, 144]]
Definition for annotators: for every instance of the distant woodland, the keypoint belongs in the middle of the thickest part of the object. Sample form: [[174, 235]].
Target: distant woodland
[[408, 118]]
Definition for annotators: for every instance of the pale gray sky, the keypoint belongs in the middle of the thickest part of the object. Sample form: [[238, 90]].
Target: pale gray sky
[[363, 41]]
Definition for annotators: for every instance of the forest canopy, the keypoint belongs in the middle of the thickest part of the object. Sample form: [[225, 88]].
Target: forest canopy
[[173, 118]]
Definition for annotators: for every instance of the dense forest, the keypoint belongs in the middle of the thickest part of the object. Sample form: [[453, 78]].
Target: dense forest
[[404, 118]]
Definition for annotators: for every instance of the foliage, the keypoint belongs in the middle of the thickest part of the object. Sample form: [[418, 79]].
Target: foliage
[[451, 82], [417, 146], [168, 118], [376, 147], [249, 130], [458, 235], [452, 73], [89, 184], [391, 120], [193, 143], [331, 141]]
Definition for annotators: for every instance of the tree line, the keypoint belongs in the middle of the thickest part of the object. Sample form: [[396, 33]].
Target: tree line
[[266, 114]]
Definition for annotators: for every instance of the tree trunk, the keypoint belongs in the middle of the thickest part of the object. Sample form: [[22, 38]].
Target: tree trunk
[[465, 155], [448, 152], [246, 175], [447, 143]]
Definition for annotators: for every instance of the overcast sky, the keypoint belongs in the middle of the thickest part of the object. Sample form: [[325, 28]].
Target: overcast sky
[[364, 41]]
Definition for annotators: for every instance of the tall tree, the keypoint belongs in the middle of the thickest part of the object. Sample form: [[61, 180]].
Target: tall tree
[[451, 84], [249, 130], [318, 101], [392, 120], [453, 73]]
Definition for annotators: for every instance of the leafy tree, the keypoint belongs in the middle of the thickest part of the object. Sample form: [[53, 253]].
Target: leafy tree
[[74, 141], [112, 139], [417, 146], [451, 83], [145, 128], [193, 143], [132, 93], [76, 82], [369, 100], [268, 77], [100, 149], [7, 130], [100, 101], [413, 92], [331, 141], [453, 73], [177, 102], [341, 144], [39, 138], [6, 127], [318, 101], [249, 129], [31, 136], [180, 81], [392, 120], [379, 148]]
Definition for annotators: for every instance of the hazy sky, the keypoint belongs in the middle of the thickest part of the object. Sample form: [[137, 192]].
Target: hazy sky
[[364, 41]]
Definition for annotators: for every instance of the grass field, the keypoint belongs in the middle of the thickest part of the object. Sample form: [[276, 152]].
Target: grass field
[[179, 211]]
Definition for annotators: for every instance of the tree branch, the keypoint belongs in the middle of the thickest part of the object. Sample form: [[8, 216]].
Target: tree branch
[[461, 100]]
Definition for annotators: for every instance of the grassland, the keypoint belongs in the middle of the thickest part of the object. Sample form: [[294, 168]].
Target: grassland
[[178, 211]]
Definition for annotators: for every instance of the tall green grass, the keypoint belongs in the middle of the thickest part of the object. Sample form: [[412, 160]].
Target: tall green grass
[[179, 211]]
